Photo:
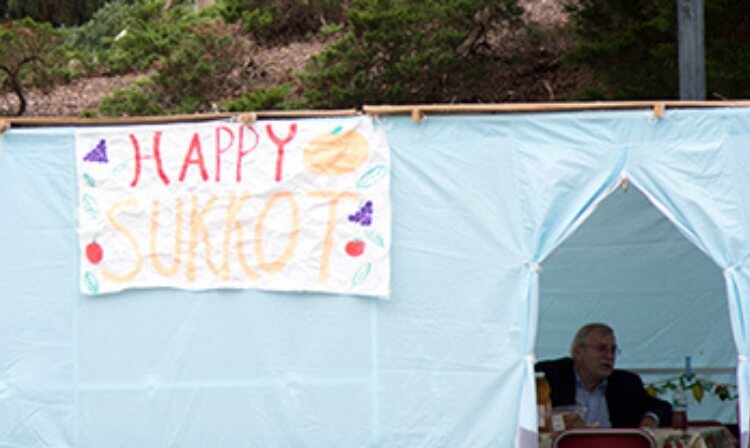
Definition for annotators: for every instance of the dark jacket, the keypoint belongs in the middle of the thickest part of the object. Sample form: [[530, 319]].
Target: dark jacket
[[627, 400]]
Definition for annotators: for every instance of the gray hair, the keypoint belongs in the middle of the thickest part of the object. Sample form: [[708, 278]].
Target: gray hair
[[579, 340]]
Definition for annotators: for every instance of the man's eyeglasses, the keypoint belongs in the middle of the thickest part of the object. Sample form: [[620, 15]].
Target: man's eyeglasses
[[605, 349]]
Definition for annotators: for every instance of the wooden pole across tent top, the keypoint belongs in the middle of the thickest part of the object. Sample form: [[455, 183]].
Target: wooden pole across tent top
[[416, 111], [248, 117]]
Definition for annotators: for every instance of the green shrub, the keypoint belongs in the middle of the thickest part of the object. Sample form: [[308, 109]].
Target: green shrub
[[125, 36], [200, 69], [29, 56], [631, 47], [198, 73], [280, 21], [99, 32], [55, 12], [628, 45], [152, 34], [264, 99], [90, 42], [399, 51], [141, 98]]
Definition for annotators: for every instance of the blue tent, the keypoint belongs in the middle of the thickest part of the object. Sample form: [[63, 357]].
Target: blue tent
[[509, 231]]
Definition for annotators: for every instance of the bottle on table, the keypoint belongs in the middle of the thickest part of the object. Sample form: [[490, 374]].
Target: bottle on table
[[543, 402], [680, 399], [679, 409]]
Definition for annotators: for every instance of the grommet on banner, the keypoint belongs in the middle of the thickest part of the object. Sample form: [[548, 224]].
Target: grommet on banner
[[530, 358], [742, 358], [659, 109], [4, 126], [624, 183], [536, 267], [729, 269], [417, 116], [248, 118]]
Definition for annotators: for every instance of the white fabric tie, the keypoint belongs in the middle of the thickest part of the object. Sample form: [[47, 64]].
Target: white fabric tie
[[536, 267]]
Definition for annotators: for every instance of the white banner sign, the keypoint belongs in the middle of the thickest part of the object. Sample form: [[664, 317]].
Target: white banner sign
[[295, 205]]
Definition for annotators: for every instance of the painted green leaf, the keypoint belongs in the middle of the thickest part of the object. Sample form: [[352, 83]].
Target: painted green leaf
[[92, 284], [121, 167], [375, 237], [90, 206], [361, 274], [372, 176], [89, 180]]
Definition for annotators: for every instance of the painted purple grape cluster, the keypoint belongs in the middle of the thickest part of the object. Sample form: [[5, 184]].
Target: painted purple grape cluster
[[98, 154], [363, 215]]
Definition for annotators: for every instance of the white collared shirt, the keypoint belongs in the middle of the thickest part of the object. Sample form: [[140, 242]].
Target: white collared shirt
[[595, 403]]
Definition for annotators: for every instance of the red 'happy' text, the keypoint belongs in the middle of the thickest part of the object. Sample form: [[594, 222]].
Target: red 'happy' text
[[228, 142]]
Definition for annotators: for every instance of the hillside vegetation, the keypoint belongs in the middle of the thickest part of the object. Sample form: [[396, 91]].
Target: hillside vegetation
[[145, 57]]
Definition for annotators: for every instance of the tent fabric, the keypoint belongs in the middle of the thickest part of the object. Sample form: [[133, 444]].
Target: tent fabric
[[484, 207]]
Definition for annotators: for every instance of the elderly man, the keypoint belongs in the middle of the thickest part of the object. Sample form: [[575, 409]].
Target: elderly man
[[612, 397]]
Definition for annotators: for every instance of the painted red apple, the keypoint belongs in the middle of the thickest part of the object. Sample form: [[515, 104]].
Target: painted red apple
[[355, 248], [94, 252]]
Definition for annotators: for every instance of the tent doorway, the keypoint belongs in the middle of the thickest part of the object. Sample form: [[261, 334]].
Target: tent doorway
[[628, 266]]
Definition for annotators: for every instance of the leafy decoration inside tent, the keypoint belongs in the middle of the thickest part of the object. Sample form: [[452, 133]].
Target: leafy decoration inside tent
[[696, 385]]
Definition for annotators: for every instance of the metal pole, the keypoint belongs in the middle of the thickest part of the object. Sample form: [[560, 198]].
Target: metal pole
[[691, 49]]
